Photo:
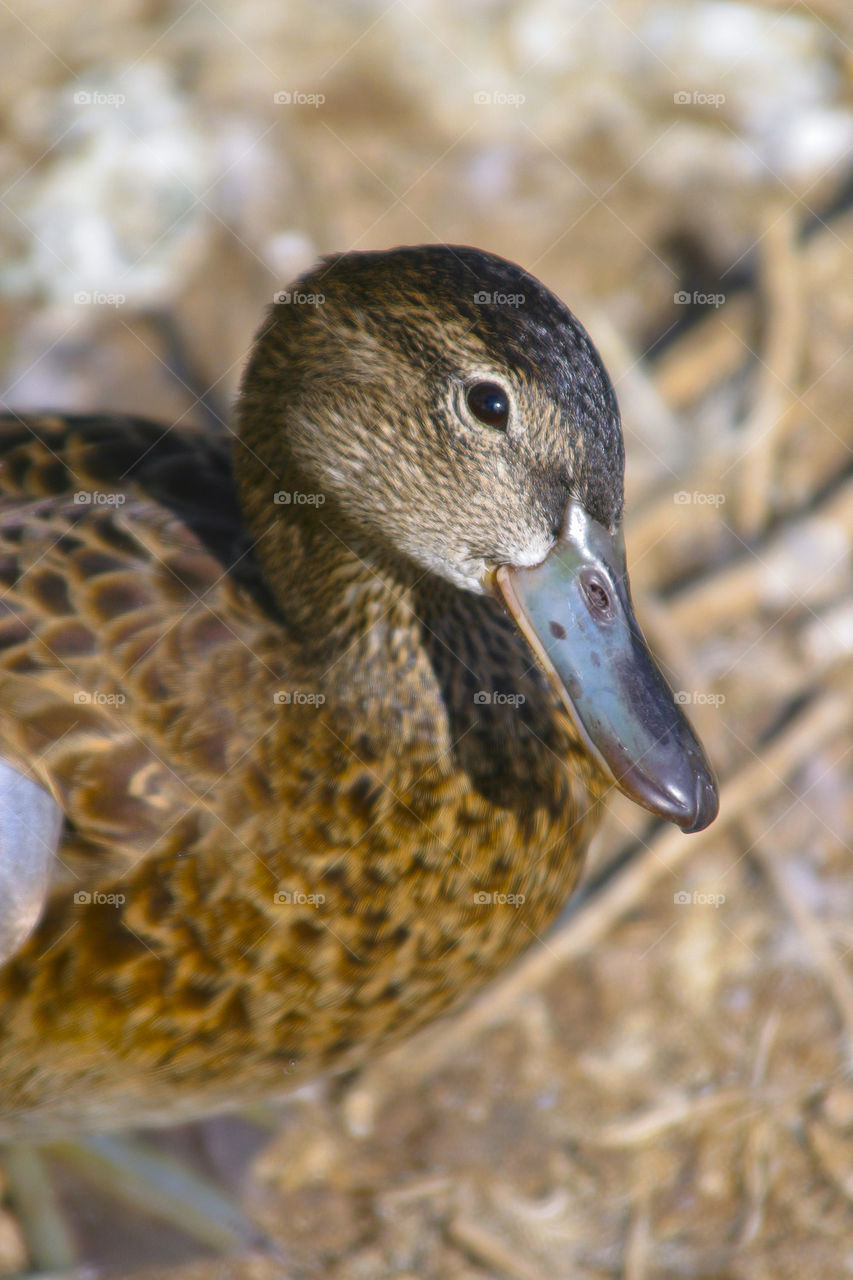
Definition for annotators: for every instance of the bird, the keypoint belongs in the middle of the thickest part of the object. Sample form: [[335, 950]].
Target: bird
[[307, 723]]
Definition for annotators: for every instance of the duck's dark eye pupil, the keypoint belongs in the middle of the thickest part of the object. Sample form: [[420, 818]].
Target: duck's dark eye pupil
[[489, 403]]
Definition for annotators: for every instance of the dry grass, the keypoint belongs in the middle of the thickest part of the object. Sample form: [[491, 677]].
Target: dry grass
[[661, 1088]]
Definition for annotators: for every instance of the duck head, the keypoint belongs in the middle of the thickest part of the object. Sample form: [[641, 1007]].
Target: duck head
[[445, 413]]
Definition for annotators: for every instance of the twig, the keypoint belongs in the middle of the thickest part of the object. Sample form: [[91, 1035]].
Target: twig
[[37, 1205], [709, 353], [641, 1129], [759, 1140], [783, 310], [486, 1248], [774, 578], [639, 1239]]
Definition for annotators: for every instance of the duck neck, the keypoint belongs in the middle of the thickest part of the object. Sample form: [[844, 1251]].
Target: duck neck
[[344, 605]]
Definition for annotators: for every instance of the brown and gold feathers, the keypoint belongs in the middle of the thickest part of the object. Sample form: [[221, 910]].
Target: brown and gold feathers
[[319, 716]]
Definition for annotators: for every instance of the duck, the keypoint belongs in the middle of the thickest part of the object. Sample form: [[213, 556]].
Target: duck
[[306, 725]]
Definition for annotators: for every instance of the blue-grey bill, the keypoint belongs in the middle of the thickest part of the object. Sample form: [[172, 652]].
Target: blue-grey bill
[[576, 614]]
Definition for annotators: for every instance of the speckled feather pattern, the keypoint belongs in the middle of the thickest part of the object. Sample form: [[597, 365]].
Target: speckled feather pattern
[[145, 645]]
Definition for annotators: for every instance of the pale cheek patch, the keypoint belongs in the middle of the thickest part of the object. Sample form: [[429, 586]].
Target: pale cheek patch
[[533, 552]]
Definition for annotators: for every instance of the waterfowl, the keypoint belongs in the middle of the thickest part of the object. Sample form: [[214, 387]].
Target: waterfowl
[[304, 730]]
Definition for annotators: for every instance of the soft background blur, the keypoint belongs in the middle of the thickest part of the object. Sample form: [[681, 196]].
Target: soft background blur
[[664, 1088]]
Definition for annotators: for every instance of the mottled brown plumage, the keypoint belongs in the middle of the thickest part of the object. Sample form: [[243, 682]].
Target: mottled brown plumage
[[235, 698]]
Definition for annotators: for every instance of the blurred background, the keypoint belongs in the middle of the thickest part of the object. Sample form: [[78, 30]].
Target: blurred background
[[664, 1088]]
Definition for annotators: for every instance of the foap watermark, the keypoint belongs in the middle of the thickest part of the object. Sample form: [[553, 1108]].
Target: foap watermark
[[298, 98], [698, 498], [485, 298], [97, 298], [94, 98], [296, 898], [697, 899], [95, 698], [98, 498], [83, 898], [484, 899], [487, 698], [498, 98], [697, 98], [695, 298], [695, 698], [292, 497], [298, 298], [298, 697]]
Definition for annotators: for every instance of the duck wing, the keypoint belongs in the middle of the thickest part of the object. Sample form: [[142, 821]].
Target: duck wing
[[134, 635]]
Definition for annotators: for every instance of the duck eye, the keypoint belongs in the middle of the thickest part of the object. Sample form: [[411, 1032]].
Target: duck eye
[[489, 403]]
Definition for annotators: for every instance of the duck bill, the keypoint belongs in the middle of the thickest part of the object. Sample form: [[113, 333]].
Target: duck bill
[[576, 614]]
